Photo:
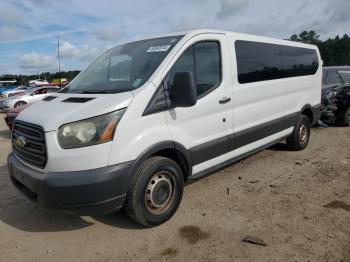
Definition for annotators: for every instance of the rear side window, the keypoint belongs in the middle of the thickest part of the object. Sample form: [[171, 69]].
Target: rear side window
[[204, 62], [261, 61]]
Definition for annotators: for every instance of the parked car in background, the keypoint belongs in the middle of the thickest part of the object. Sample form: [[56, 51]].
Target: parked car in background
[[331, 75], [29, 97], [11, 116], [7, 85], [17, 91], [335, 108], [37, 82], [345, 77]]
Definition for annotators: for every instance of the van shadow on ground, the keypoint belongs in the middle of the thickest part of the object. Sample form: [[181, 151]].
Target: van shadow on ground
[[22, 214], [282, 146]]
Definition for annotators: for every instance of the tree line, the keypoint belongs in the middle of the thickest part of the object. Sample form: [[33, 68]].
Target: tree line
[[334, 51]]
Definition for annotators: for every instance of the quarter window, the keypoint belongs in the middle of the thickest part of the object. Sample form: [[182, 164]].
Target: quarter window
[[203, 61]]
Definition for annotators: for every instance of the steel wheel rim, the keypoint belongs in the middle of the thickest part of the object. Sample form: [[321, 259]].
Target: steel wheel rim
[[303, 133], [160, 192]]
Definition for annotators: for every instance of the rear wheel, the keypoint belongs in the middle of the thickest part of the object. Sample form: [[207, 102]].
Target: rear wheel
[[344, 117], [301, 134], [20, 103], [156, 192]]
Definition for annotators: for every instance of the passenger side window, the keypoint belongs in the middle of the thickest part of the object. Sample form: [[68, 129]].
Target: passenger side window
[[203, 61], [207, 64], [184, 64]]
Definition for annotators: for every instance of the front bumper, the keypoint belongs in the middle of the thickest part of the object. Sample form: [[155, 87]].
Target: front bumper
[[5, 108], [90, 192]]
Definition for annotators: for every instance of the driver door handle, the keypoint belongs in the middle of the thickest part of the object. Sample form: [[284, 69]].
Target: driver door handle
[[224, 100]]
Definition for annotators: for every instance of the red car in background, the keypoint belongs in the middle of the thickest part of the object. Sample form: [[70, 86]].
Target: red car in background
[[11, 115]]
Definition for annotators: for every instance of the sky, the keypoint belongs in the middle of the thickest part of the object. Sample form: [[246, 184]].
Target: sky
[[29, 28]]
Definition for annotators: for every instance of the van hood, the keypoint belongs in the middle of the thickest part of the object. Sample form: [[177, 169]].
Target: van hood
[[62, 108]]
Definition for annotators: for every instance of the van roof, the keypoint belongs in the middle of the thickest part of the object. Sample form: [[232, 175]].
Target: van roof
[[237, 35]]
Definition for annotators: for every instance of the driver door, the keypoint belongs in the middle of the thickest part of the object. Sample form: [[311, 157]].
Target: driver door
[[206, 128]]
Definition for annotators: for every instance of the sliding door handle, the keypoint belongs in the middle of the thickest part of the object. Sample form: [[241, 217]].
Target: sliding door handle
[[224, 100]]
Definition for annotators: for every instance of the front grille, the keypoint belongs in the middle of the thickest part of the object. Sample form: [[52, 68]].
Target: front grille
[[34, 152]]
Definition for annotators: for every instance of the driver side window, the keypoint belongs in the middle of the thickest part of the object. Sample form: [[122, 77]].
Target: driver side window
[[204, 62]]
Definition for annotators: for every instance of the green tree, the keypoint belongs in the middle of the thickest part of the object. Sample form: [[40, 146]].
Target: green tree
[[309, 37], [334, 51]]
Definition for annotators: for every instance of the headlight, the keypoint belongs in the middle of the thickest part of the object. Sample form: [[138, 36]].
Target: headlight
[[88, 132]]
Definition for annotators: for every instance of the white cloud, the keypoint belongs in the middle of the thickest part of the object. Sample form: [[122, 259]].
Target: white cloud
[[109, 33], [230, 7], [37, 61], [10, 32], [187, 23], [4, 69], [84, 53], [9, 15], [67, 50]]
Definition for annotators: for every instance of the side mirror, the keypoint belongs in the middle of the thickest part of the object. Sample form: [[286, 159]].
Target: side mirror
[[184, 90]]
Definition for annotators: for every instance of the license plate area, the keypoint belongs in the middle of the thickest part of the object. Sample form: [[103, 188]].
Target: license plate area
[[23, 180]]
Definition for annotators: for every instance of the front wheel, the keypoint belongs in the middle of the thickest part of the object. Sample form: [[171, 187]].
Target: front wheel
[[301, 134], [156, 192]]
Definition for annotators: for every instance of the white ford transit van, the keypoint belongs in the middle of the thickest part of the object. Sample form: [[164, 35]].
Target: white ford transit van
[[147, 116]]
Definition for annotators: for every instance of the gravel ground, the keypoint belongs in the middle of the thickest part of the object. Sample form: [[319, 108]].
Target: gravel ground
[[298, 203]]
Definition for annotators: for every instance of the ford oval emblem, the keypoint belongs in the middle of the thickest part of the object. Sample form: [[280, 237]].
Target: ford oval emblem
[[21, 141]]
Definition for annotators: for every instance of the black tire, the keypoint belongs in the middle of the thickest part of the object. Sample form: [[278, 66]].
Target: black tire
[[344, 118], [20, 103], [301, 134], [156, 192]]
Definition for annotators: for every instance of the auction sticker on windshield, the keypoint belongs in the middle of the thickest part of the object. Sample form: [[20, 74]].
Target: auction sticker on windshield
[[159, 48]]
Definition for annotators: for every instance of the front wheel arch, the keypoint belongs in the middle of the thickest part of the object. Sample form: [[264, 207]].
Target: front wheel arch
[[20, 103]]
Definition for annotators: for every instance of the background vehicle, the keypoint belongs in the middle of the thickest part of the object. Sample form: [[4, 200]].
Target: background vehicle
[[11, 115], [335, 109], [37, 82], [148, 115], [331, 76], [7, 85], [17, 91], [29, 97]]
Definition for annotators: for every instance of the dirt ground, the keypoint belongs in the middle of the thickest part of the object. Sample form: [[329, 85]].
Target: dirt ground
[[298, 203]]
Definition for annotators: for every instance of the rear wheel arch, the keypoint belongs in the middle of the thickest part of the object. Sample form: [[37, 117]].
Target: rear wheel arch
[[308, 111]]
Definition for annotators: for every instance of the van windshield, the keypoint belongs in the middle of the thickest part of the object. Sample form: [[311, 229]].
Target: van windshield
[[123, 68]]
